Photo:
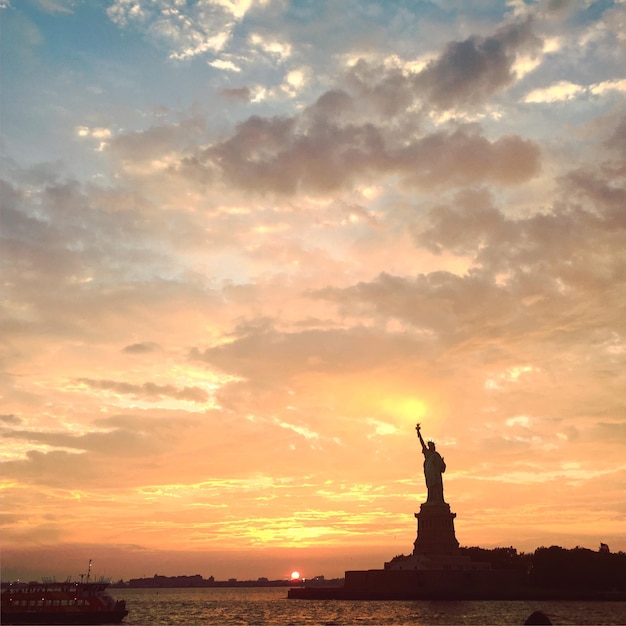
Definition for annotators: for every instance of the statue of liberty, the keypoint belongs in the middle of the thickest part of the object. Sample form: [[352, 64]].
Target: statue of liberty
[[434, 467]]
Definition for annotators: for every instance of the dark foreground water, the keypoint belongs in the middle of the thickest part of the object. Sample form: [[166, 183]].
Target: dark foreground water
[[270, 606]]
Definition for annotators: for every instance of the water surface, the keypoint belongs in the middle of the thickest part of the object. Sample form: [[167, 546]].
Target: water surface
[[270, 606]]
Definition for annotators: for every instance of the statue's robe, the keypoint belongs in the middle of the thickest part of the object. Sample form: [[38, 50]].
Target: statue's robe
[[434, 467]]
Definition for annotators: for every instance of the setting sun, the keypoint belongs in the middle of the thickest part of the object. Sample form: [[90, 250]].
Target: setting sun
[[295, 575]]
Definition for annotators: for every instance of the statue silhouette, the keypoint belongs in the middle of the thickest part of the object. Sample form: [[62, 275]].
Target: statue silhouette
[[434, 467]]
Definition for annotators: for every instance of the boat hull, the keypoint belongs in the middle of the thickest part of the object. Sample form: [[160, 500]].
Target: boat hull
[[60, 603], [57, 617]]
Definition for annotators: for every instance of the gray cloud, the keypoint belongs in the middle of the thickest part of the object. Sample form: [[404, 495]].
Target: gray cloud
[[278, 155], [50, 468], [64, 232], [365, 129], [145, 435], [267, 354], [72, 252], [148, 391], [557, 270], [114, 443], [465, 74], [471, 71], [162, 139], [617, 140], [239, 93], [451, 307], [465, 224], [466, 158], [141, 348], [575, 244], [10, 420], [611, 432], [381, 92]]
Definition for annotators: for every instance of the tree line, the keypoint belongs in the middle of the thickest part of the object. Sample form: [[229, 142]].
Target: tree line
[[556, 567]]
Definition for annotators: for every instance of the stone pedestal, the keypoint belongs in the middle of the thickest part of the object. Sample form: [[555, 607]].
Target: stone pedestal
[[435, 530]]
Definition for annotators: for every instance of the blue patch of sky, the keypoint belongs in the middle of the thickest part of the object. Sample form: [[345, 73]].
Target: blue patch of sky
[[67, 35], [594, 11], [63, 70], [380, 12]]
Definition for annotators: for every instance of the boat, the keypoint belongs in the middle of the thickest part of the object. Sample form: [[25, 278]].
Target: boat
[[61, 603]]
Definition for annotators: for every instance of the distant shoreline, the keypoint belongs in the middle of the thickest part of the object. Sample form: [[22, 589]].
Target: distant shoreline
[[197, 582]]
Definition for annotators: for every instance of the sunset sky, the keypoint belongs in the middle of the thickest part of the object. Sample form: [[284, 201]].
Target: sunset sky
[[247, 245]]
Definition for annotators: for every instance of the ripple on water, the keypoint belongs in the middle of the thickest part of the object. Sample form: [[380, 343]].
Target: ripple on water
[[270, 607]]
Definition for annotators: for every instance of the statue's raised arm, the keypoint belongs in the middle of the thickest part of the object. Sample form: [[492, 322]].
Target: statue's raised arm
[[418, 428]]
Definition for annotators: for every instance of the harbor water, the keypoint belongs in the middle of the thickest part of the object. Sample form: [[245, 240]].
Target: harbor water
[[270, 606]]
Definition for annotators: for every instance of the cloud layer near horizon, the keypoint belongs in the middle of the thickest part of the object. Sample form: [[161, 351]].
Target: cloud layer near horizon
[[226, 303]]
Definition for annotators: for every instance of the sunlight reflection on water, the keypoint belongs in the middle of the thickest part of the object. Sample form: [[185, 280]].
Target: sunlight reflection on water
[[269, 606]]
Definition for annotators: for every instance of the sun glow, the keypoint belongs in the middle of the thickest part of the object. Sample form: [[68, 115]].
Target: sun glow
[[409, 409], [295, 575]]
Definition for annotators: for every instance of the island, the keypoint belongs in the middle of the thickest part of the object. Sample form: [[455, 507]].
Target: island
[[439, 569]]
